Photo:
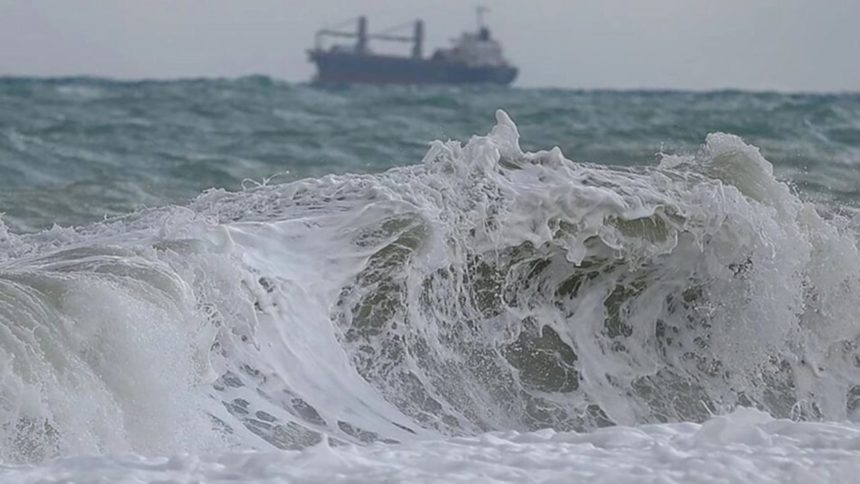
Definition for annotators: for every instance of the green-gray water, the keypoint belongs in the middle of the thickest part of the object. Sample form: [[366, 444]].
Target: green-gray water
[[75, 150]]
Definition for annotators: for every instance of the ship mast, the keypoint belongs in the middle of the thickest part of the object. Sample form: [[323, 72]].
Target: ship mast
[[363, 37]]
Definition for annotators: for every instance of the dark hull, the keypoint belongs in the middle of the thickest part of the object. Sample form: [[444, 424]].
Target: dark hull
[[349, 68]]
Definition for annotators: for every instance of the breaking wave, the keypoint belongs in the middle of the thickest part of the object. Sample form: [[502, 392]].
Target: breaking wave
[[484, 289]]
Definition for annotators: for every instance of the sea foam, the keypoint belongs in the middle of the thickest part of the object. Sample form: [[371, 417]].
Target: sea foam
[[485, 290]]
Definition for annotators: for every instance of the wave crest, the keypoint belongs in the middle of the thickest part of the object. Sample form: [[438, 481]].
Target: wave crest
[[485, 289]]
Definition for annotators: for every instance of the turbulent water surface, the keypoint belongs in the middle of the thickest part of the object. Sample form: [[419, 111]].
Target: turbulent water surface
[[594, 282]]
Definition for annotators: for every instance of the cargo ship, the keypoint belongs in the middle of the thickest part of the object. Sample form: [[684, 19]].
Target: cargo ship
[[474, 57]]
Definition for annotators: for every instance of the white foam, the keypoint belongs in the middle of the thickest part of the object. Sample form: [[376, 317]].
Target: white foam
[[743, 447], [486, 289]]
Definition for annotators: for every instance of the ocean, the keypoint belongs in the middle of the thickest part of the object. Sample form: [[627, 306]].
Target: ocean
[[258, 281]]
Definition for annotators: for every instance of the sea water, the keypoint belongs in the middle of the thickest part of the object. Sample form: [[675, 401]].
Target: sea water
[[257, 281]]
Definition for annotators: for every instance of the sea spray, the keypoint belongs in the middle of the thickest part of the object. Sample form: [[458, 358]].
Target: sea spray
[[486, 289]]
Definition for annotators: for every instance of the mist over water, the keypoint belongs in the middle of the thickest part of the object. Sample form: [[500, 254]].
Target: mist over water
[[611, 259]]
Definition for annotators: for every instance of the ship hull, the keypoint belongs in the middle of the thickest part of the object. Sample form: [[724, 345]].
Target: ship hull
[[349, 68]]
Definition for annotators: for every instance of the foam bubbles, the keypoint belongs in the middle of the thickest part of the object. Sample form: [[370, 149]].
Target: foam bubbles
[[744, 446], [486, 289]]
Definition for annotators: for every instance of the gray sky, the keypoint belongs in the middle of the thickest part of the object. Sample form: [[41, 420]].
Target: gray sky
[[694, 44]]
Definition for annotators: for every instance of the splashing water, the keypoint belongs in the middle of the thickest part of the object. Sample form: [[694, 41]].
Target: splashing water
[[487, 289]]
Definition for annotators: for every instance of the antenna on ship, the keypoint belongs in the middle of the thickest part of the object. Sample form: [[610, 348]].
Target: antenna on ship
[[481, 10], [483, 31]]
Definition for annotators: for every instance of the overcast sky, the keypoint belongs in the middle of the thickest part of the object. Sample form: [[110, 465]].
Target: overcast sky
[[808, 45]]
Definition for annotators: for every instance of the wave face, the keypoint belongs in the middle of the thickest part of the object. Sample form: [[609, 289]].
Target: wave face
[[485, 289]]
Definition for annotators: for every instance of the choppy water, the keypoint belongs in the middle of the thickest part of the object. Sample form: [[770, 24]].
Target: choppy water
[[650, 269], [74, 150]]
